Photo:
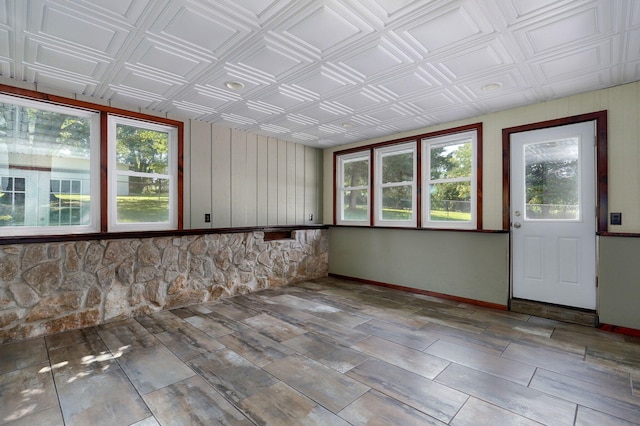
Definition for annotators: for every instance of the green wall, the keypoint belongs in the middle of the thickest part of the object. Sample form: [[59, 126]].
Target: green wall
[[619, 281], [465, 264]]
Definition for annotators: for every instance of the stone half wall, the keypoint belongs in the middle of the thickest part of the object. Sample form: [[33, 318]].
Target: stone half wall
[[52, 287]]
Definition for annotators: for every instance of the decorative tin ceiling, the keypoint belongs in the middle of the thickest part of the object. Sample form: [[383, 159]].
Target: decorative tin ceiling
[[322, 72]]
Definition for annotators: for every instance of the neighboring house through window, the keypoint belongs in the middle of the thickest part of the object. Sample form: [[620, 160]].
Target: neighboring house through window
[[50, 169]]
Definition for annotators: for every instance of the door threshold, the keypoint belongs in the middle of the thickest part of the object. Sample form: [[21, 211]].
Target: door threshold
[[568, 314]]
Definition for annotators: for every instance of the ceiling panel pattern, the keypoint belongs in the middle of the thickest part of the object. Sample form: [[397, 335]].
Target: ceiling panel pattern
[[322, 72]]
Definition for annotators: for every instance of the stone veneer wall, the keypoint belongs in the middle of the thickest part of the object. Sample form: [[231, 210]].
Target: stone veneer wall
[[51, 287]]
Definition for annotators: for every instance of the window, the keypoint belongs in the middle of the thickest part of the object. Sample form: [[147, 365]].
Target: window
[[42, 145], [450, 181], [395, 199], [62, 173], [353, 189], [143, 171], [430, 181], [68, 203], [12, 201]]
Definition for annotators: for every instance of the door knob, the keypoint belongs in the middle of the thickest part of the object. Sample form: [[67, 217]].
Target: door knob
[[517, 225]]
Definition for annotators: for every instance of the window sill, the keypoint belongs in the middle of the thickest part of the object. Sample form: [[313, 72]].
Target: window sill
[[288, 230]]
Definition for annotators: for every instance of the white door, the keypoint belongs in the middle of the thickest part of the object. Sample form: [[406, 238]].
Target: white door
[[553, 215]]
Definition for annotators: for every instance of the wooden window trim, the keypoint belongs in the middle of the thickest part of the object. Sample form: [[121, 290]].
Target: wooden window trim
[[105, 111], [477, 127]]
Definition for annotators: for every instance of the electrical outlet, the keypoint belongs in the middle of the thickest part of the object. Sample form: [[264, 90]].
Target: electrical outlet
[[207, 217], [310, 217]]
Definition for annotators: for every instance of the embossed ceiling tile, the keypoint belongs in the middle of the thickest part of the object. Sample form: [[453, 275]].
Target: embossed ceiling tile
[[360, 100], [481, 87], [475, 60], [501, 102], [5, 67], [577, 25], [141, 80], [129, 11], [633, 14], [518, 10], [374, 59], [62, 60], [66, 25], [60, 82], [435, 101], [249, 111], [574, 62], [260, 11], [579, 84], [200, 28], [209, 97], [279, 98], [326, 26], [5, 47], [403, 84], [389, 10], [453, 114], [129, 96], [319, 112], [162, 58], [441, 29], [631, 71], [4, 13], [270, 60], [632, 46], [321, 82]]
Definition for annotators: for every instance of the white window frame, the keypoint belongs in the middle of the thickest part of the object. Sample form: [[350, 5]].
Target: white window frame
[[427, 143], [380, 153], [94, 171], [341, 161], [113, 173]]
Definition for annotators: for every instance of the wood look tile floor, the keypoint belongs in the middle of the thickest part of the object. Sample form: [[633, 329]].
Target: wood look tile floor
[[324, 352]]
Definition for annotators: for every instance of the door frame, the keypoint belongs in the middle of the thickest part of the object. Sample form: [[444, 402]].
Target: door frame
[[602, 195]]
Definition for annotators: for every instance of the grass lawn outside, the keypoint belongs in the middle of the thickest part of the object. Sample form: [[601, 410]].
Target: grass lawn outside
[[360, 213], [143, 208]]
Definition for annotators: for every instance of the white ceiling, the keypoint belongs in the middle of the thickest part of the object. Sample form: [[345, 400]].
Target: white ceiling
[[322, 72]]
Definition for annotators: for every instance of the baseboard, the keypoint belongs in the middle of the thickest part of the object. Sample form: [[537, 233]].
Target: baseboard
[[425, 292], [620, 330]]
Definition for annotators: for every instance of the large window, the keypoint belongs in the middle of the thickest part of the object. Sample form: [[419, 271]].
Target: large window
[[353, 189], [143, 168], [61, 173], [430, 181], [41, 146], [396, 186], [450, 181]]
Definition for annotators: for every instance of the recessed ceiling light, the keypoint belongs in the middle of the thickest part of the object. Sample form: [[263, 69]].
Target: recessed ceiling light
[[491, 87], [234, 85], [347, 125]]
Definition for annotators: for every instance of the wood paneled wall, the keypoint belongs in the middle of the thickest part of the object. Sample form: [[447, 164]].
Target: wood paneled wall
[[243, 179]]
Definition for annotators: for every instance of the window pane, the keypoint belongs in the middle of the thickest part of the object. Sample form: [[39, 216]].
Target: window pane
[[397, 167], [67, 207], [356, 173], [397, 203], [450, 201], [451, 160], [552, 180], [142, 150], [356, 205], [43, 149], [150, 205]]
